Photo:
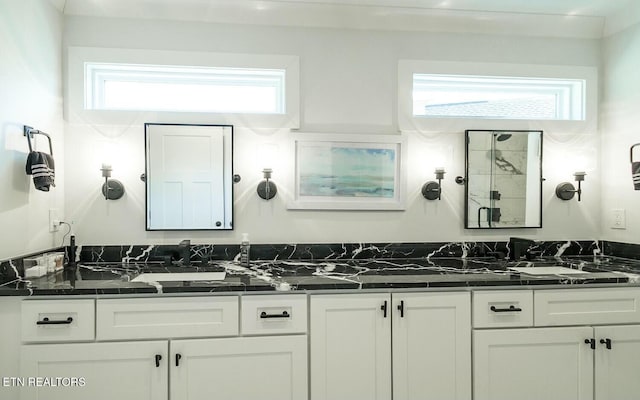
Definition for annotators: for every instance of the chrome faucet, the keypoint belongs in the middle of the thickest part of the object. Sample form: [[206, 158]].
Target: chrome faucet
[[184, 248]]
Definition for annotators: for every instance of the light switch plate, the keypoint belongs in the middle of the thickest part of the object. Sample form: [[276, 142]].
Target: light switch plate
[[618, 219]]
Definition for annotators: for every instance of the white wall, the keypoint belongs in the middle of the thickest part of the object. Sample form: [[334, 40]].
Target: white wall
[[620, 129], [348, 85], [30, 94]]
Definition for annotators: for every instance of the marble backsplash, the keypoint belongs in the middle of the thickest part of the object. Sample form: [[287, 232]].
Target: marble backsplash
[[339, 251], [618, 249]]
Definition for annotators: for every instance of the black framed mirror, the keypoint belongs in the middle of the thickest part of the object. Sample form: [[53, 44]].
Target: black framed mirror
[[503, 185], [189, 177]]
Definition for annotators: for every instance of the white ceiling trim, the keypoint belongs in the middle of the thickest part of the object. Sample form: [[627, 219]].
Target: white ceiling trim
[[325, 15], [623, 19], [593, 8]]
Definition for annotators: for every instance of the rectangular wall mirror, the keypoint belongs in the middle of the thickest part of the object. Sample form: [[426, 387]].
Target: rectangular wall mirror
[[189, 177], [503, 179]]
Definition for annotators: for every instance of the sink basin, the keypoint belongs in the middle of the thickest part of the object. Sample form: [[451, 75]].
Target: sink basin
[[548, 270], [180, 276]]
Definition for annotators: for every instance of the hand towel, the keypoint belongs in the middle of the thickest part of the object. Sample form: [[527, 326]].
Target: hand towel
[[42, 167]]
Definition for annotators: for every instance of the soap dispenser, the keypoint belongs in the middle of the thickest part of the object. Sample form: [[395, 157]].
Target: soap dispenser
[[244, 250]]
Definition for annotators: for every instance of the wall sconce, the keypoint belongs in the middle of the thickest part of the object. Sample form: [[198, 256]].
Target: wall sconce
[[432, 190], [566, 190], [112, 189], [267, 189]]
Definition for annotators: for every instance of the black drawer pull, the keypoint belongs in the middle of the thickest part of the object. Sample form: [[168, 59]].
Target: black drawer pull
[[178, 357], [510, 309], [401, 308], [606, 342], [158, 358], [591, 343], [47, 321], [383, 307], [283, 315]]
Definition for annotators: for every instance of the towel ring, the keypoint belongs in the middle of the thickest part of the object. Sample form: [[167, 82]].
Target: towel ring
[[29, 132]]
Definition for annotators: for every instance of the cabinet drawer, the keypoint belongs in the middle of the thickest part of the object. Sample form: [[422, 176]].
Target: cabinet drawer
[[175, 317], [274, 315], [58, 320], [587, 306], [503, 308]]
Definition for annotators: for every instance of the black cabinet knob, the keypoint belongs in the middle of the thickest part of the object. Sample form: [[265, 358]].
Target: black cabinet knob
[[606, 342]]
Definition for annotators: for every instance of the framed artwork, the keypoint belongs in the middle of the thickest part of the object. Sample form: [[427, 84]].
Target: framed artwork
[[349, 172]]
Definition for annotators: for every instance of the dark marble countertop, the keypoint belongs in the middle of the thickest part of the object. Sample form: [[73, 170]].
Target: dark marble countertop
[[301, 275]]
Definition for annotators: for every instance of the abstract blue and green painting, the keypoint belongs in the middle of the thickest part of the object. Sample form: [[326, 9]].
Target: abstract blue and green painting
[[347, 171]]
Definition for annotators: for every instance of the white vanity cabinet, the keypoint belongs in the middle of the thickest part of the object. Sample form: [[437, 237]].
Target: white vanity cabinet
[[178, 348], [617, 362], [350, 346], [564, 344], [269, 362], [575, 347], [431, 346], [356, 339], [96, 371], [533, 364], [246, 368], [53, 368]]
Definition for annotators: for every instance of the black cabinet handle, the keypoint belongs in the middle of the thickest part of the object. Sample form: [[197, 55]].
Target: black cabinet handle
[[158, 358], [383, 307], [178, 357], [511, 308], [606, 342], [591, 342], [283, 315], [47, 321], [401, 308]]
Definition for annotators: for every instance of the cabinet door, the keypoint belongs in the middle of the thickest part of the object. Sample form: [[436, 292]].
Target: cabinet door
[[255, 368], [96, 371], [350, 343], [533, 364], [617, 368], [432, 346]]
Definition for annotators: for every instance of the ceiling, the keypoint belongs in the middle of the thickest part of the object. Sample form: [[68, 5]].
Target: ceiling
[[577, 18]]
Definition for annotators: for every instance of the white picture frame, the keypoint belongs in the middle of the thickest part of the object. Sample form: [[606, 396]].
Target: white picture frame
[[349, 172]]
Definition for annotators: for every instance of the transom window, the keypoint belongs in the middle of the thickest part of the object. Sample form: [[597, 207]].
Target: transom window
[[493, 97], [112, 86]]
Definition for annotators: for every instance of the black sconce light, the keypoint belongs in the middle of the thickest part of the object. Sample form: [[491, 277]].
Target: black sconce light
[[112, 189], [433, 190], [566, 190], [267, 189]]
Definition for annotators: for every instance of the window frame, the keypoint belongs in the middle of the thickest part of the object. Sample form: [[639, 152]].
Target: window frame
[[409, 122], [99, 75], [76, 112]]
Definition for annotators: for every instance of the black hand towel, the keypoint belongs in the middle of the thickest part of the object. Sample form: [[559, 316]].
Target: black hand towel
[[42, 167]]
